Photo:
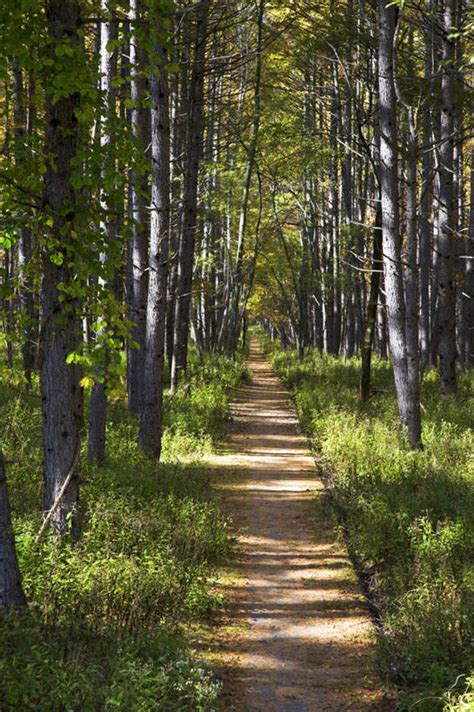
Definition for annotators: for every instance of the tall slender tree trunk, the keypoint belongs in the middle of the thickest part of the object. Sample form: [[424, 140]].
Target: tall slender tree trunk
[[9, 267], [108, 55], [335, 227], [370, 325], [61, 393], [24, 243], [188, 235], [468, 293], [139, 201], [333, 299], [434, 300], [411, 277], [152, 412], [408, 406], [446, 290], [316, 294], [304, 287], [179, 113], [382, 324], [425, 242], [351, 279]]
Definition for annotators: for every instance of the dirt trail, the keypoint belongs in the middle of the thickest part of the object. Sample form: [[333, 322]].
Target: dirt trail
[[298, 636]]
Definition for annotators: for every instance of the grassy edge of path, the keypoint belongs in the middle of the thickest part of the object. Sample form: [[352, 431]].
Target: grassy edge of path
[[407, 517]]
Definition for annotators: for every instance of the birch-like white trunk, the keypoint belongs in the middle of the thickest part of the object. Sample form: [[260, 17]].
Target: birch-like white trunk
[[408, 406], [152, 410], [140, 120], [108, 69], [446, 226]]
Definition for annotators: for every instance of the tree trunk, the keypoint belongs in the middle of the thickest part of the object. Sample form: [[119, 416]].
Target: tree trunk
[[408, 406], [61, 392], [334, 321], [366, 352], [24, 243], [426, 207], [382, 324], [468, 292], [425, 242], [11, 590], [179, 113], [446, 290], [139, 201], [188, 236], [411, 278], [152, 413], [108, 67]]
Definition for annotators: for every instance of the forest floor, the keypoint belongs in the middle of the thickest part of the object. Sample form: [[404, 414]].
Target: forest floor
[[295, 634]]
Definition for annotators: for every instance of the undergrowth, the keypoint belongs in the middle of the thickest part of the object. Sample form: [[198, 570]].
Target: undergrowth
[[408, 516], [105, 625]]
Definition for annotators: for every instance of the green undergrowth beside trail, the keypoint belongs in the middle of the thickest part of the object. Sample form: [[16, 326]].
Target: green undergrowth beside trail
[[408, 517], [106, 623]]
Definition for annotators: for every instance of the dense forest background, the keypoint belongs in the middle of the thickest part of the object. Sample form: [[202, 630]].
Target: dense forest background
[[172, 175]]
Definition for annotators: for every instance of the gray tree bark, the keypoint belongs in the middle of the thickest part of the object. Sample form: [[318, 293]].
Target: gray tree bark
[[152, 412], [425, 240], [61, 393], [446, 290], [468, 292], [108, 69], [370, 324], [140, 120], [411, 277], [189, 225], [411, 271], [179, 113], [11, 590], [408, 406], [29, 348]]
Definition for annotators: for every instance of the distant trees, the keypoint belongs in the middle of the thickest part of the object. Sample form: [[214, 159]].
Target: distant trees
[[236, 291], [192, 160], [393, 117]]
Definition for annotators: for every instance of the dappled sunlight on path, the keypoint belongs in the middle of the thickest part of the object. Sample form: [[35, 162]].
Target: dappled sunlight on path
[[299, 637]]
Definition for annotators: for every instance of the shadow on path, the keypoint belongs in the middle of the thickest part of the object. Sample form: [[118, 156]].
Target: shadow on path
[[298, 636]]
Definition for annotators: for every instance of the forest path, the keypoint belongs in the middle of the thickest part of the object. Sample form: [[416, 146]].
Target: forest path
[[296, 635]]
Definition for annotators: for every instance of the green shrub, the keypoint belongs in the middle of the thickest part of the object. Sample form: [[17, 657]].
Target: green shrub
[[65, 667], [105, 624]]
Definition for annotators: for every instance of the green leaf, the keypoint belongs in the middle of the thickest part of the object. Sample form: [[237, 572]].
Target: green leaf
[[57, 258]]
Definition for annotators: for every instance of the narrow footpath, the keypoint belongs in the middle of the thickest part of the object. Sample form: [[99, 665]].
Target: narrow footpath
[[297, 636]]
